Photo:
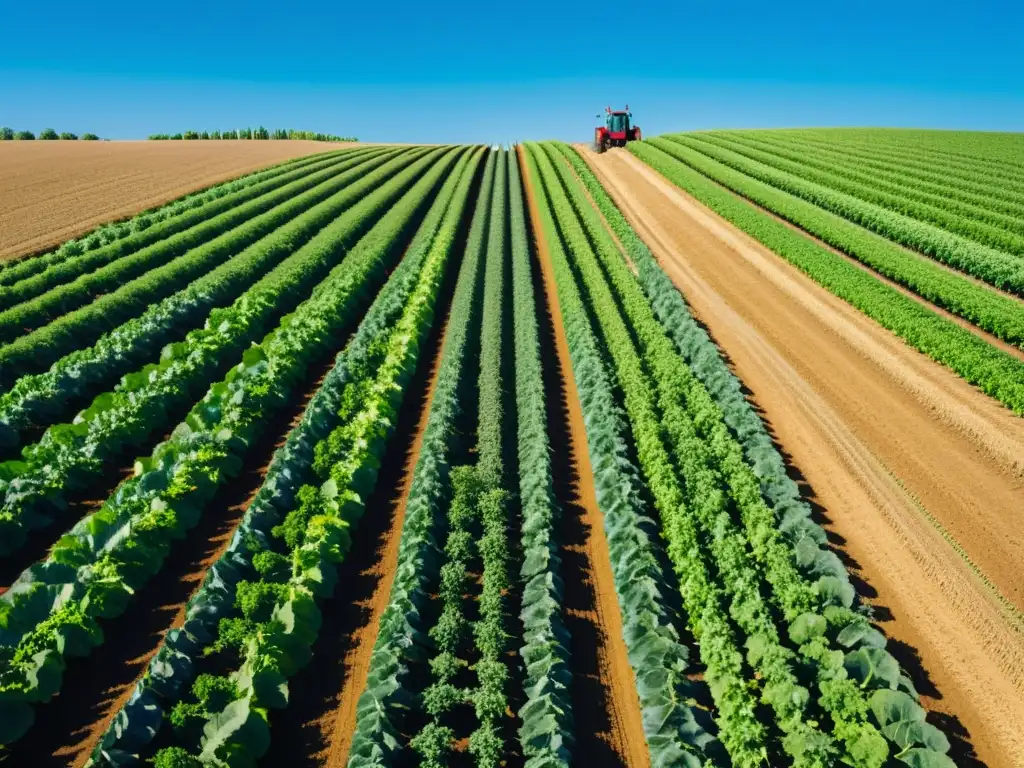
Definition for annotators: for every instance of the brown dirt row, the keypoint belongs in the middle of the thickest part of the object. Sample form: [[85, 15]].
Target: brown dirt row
[[890, 446], [606, 709], [52, 191]]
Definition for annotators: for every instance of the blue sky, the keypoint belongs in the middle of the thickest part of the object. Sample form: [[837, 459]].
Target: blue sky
[[461, 71]]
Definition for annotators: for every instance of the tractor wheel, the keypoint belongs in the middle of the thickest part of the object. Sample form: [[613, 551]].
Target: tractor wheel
[[602, 146]]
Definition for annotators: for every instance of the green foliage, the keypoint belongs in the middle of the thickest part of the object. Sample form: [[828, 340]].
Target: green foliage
[[6, 134], [809, 207], [90, 137], [68, 136], [48, 134], [994, 371], [24, 136], [175, 757], [546, 732]]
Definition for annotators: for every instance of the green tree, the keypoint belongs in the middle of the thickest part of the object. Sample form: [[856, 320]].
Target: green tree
[[90, 137], [24, 136], [48, 134], [67, 136], [6, 134]]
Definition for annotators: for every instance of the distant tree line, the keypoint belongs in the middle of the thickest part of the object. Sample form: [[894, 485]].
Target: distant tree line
[[256, 134], [47, 134]]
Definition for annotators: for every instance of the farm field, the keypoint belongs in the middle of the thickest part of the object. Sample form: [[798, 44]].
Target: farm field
[[706, 451], [53, 191]]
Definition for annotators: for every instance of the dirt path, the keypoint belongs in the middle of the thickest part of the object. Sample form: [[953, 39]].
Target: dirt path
[[51, 191], [316, 728], [887, 442], [606, 710]]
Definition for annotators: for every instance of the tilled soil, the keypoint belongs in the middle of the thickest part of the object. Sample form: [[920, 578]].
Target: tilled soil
[[606, 709], [893, 448], [52, 191]]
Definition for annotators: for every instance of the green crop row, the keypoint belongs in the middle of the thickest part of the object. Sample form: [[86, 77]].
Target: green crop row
[[886, 187], [1001, 315], [69, 455], [294, 568], [751, 559], [243, 224], [489, 697], [948, 214], [19, 269], [659, 660], [935, 167], [924, 175], [38, 349], [997, 373], [944, 157], [92, 572], [401, 638], [131, 254], [994, 267], [546, 733], [42, 399]]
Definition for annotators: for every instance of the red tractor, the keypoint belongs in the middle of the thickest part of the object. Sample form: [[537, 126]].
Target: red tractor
[[616, 131]]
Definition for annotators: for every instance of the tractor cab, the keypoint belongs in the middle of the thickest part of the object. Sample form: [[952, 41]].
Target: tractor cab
[[616, 130]]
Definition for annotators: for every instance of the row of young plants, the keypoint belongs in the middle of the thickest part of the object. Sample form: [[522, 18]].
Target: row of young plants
[[38, 487], [162, 242], [19, 269], [743, 175], [258, 629], [996, 372], [999, 314], [659, 659], [36, 350], [402, 640], [546, 734], [931, 176], [915, 151], [41, 399], [92, 572], [836, 649], [242, 224], [893, 197], [884, 187], [467, 672]]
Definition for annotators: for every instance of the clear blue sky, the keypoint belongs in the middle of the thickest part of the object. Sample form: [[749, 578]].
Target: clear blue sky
[[486, 72]]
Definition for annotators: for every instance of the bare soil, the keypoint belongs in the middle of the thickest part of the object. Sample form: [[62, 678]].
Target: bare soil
[[918, 476], [52, 191], [606, 709]]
